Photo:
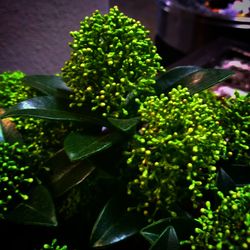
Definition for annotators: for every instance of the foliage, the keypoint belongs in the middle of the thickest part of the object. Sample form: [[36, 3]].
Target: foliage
[[237, 130], [176, 148], [16, 175], [234, 117], [11, 89], [227, 226], [35, 132], [114, 130], [112, 61]]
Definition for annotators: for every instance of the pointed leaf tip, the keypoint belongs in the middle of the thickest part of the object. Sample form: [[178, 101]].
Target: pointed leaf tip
[[124, 124], [168, 240], [224, 182], [153, 231], [115, 224], [38, 210]]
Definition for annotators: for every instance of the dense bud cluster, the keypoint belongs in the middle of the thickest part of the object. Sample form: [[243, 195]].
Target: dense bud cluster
[[176, 148], [112, 60], [227, 227], [15, 175], [43, 136], [235, 118], [234, 113], [35, 132], [54, 246], [11, 89]]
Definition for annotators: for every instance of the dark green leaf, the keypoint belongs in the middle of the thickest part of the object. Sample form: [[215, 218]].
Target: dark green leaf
[[204, 79], [38, 210], [194, 78], [168, 240], [115, 224], [124, 124], [79, 146], [47, 84], [48, 107], [224, 181], [170, 79], [64, 175], [153, 231]]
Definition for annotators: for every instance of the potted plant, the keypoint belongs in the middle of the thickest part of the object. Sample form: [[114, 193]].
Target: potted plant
[[117, 151]]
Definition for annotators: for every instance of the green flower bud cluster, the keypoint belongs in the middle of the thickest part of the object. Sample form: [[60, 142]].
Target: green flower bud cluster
[[234, 115], [16, 175], [176, 148], [235, 119], [54, 246], [111, 60], [11, 89], [41, 136], [44, 137], [226, 227]]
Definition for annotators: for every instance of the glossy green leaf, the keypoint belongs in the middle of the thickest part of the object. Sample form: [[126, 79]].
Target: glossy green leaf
[[38, 210], [153, 231], [184, 227], [47, 84], [168, 240], [224, 182], [64, 175], [204, 79], [115, 224], [170, 79], [49, 107], [124, 124], [194, 78], [80, 146]]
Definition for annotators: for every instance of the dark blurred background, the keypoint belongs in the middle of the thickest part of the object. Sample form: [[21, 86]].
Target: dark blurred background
[[34, 34]]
